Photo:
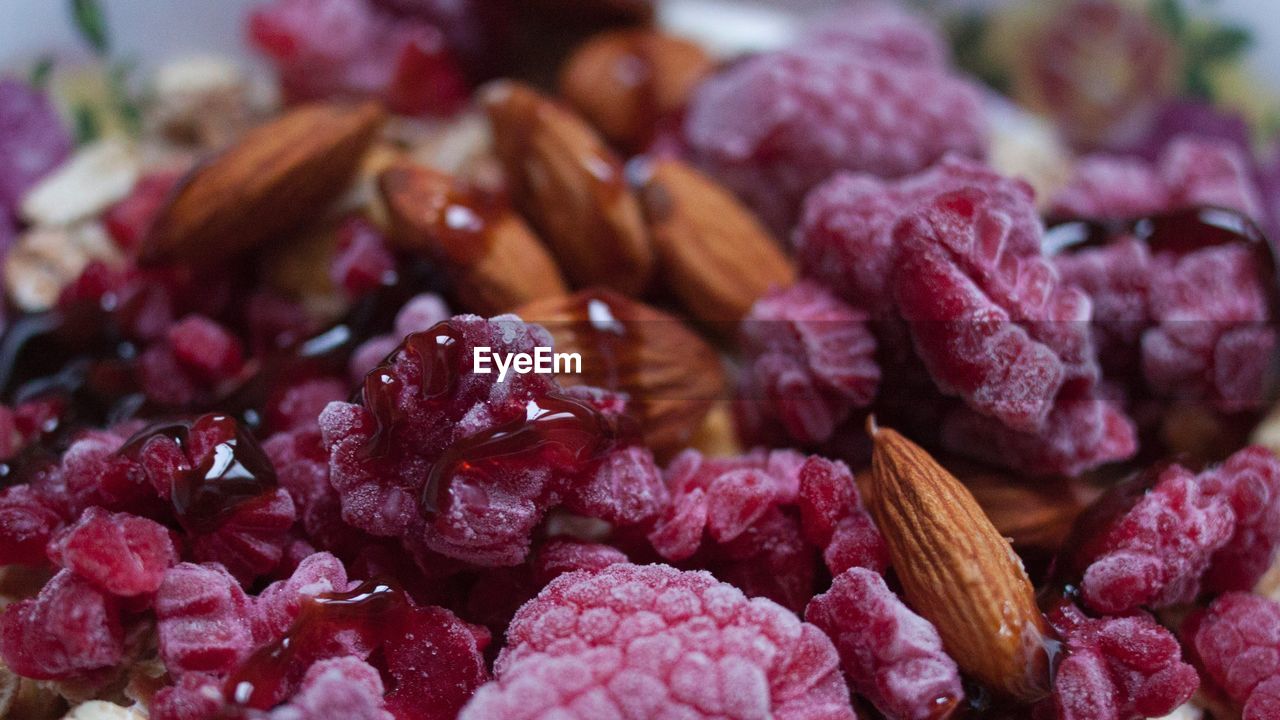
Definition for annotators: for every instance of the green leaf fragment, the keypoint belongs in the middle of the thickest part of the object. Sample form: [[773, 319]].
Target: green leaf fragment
[[92, 24]]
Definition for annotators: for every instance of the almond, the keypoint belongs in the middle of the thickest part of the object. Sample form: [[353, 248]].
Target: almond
[[276, 178], [626, 81], [496, 261], [670, 374], [714, 254], [1034, 516], [956, 570], [571, 186]]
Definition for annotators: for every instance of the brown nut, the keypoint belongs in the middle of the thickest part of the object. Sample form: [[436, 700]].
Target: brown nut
[[275, 179], [626, 81], [714, 254], [496, 261], [571, 186], [670, 373]]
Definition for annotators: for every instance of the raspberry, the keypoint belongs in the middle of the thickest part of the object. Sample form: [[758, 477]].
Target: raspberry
[[192, 697], [281, 601], [558, 557], [993, 326], [362, 262], [419, 314], [844, 237], [1116, 277], [876, 28], [436, 665], [66, 631], [1117, 668], [304, 473], [468, 466], [204, 620], [1078, 435], [342, 687], [121, 554], [129, 219], [770, 559], [27, 521], [775, 125], [1157, 551], [1238, 644], [300, 404], [890, 655], [1210, 338], [1191, 172], [1249, 481], [832, 517], [722, 495], [810, 361], [657, 642], [206, 348], [32, 141]]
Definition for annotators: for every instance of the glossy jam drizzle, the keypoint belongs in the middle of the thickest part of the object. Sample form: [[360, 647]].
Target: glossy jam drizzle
[[233, 472], [373, 611], [554, 428], [438, 354]]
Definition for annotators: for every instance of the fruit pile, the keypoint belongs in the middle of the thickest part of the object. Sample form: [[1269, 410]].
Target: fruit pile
[[867, 425]]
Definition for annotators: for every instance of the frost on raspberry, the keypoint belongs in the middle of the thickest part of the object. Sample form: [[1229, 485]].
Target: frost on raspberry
[[809, 363], [451, 459], [120, 554], [1154, 552], [67, 631], [346, 687], [877, 28], [844, 237], [204, 620], [658, 642], [1237, 641], [993, 326], [890, 655], [774, 126], [27, 520], [1117, 668], [832, 517], [1249, 481]]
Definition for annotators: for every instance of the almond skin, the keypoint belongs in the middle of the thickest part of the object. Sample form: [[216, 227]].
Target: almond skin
[[1033, 516], [626, 81], [672, 376], [956, 569], [713, 253], [496, 262], [571, 185], [279, 176]]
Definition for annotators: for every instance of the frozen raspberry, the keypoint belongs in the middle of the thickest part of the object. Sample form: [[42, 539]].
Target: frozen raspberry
[[204, 620], [558, 557], [193, 697], [362, 262], [723, 496], [1211, 338], [300, 404], [809, 362], [890, 655], [250, 541], [775, 125], [1238, 644], [67, 630], [770, 559], [369, 355], [32, 141], [1078, 435], [657, 642], [346, 48], [881, 29], [121, 554], [1157, 551], [1102, 186], [129, 219], [994, 326], [1117, 668], [1116, 277], [417, 315], [844, 238], [304, 473], [437, 664], [832, 517], [281, 601], [466, 465], [1191, 172], [27, 521], [342, 687], [206, 348], [1250, 482]]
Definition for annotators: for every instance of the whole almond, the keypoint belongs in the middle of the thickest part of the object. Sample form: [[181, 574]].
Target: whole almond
[[1033, 516], [626, 81], [277, 177], [571, 185], [956, 570], [671, 375], [496, 261], [713, 253]]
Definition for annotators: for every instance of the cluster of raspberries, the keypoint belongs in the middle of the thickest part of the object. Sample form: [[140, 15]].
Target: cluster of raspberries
[[440, 545]]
